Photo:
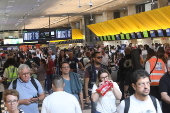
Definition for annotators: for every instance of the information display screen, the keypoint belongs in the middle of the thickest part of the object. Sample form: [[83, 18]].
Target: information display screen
[[153, 33], [139, 35], [13, 41], [133, 35], [168, 32], [63, 34], [161, 32], [117, 37], [30, 34]]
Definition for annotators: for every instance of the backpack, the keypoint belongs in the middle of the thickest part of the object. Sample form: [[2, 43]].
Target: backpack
[[127, 63], [14, 84], [127, 103], [81, 60]]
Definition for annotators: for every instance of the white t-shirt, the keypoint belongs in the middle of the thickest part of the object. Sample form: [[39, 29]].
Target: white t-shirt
[[61, 102], [105, 59], [137, 106], [106, 103]]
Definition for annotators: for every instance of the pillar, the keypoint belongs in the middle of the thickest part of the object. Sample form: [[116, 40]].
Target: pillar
[[107, 15], [131, 9], [162, 3], [73, 25]]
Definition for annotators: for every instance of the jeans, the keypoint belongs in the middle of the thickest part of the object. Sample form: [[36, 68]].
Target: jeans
[[97, 112], [48, 82], [93, 107]]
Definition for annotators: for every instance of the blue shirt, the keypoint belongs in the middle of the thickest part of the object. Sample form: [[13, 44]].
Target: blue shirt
[[27, 91], [67, 88]]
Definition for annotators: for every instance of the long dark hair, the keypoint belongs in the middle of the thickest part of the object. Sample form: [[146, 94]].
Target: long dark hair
[[60, 57]]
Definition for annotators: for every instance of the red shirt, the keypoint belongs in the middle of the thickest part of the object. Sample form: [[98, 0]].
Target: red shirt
[[50, 65]]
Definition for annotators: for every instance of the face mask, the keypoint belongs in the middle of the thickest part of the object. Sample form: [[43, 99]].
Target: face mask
[[168, 65]]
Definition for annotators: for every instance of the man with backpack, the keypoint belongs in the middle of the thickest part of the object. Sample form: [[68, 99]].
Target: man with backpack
[[90, 77], [30, 90], [140, 101]]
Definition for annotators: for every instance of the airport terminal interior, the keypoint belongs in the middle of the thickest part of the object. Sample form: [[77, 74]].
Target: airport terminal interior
[[35, 24]]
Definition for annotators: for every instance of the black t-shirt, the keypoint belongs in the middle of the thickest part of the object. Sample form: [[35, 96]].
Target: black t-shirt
[[128, 81], [73, 63], [164, 86], [36, 60]]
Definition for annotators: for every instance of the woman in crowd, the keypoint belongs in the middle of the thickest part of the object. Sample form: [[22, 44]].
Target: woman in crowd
[[162, 55], [40, 71], [62, 57], [106, 103], [11, 98]]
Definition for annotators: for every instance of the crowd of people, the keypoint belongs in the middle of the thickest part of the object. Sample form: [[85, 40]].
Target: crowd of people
[[142, 83]]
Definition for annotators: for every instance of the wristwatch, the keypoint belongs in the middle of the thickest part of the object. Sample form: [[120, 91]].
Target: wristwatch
[[87, 96]]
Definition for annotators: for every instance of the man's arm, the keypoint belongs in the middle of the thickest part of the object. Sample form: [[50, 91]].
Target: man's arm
[[165, 97], [81, 100], [81, 65], [39, 98], [25, 101], [86, 82]]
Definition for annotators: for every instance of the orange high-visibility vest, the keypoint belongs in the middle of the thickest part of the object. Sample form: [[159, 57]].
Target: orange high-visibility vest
[[158, 71]]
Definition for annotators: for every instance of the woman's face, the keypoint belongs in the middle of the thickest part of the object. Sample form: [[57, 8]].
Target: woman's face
[[104, 77], [11, 102], [62, 53]]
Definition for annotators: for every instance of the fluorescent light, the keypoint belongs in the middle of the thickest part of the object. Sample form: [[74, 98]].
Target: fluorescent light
[[12, 1], [9, 6]]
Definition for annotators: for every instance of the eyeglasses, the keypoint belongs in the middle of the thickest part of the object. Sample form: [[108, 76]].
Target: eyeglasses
[[103, 77], [24, 74], [142, 84], [66, 67], [100, 57], [12, 101]]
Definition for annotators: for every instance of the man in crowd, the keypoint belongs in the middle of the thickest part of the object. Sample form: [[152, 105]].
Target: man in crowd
[[11, 72], [140, 102], [72, 82], [164, 85], [36, 59], [73, 62], [156, 68], [30, 90], [60, 101], [50, 71], [91, 75]]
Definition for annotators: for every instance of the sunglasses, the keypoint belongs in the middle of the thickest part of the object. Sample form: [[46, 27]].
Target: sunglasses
[[99, 57]]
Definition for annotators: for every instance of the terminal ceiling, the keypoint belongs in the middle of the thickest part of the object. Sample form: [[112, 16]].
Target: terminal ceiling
[[32, 14]]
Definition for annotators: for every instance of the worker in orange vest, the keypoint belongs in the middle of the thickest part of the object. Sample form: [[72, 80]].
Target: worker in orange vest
[[156, 68]]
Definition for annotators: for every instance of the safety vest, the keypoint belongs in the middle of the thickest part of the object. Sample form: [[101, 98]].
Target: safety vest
[[12, 73], [157, 72]]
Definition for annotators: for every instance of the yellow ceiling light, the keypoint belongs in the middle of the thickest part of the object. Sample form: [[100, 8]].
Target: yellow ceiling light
[[150, 20]]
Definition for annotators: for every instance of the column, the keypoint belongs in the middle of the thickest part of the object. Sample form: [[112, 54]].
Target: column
[[89, 35], [131, 9], [162, 3], [107, 15], [73, 25]]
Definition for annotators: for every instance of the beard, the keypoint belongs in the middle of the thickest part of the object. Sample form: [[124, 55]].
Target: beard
[[98, 63]]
